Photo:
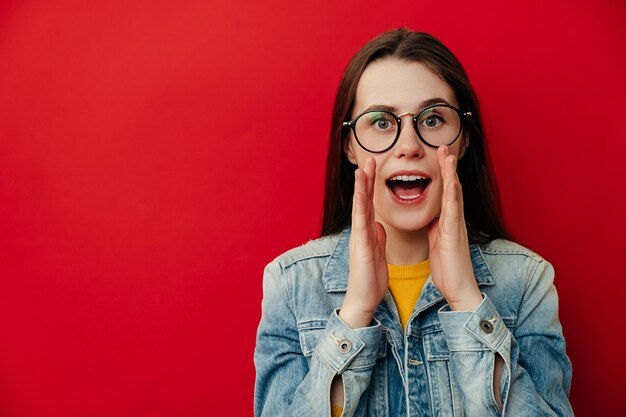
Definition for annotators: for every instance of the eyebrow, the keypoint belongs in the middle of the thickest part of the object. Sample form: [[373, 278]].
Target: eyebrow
[[423, 104]]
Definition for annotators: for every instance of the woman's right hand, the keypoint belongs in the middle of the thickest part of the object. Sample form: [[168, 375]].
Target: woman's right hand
[[368, 278]]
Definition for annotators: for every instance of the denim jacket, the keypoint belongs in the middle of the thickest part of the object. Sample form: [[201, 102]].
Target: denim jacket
[[441, 365]]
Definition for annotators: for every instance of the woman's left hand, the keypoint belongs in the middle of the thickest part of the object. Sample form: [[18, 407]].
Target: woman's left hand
[[450, 262]]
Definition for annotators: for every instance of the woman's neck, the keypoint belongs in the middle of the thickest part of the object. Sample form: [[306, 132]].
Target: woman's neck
[[406, 248]]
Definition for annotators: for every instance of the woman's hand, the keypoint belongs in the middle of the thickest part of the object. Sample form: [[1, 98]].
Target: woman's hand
[[450, 262], [368, 277]]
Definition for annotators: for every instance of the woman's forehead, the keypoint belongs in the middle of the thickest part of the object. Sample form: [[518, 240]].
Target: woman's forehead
[[403, 85]]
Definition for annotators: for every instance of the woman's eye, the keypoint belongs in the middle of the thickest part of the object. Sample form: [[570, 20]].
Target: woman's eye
[[381, 122], [432, 121]]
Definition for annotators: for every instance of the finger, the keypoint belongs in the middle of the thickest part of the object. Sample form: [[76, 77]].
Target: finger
[[451, 178], [449, 204], [382, 237], [370, 166], [460, 198], [458, 191], [462, 225], [452, 196], [450, 170], [359, 184], [441, 159], [358, 206], [367, 169]]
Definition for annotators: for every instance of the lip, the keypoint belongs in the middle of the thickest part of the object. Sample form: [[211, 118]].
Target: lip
[[413, 201], [408, 172]]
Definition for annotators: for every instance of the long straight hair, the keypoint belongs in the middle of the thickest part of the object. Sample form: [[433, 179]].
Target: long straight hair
[[483, 214]]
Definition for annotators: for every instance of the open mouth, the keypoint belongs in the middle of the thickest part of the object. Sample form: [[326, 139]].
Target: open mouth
[[408, 187]]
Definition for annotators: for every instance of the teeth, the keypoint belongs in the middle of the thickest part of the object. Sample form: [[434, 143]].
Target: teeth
[[407, 178], [409, 197]]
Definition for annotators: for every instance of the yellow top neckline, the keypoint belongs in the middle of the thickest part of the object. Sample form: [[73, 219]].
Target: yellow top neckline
[[409, 271]]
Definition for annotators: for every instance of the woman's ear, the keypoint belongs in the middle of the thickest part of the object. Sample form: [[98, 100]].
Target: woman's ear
[[464, 146], [350, 152]]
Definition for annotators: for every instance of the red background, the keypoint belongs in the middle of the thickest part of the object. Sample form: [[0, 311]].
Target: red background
[[155, 155]]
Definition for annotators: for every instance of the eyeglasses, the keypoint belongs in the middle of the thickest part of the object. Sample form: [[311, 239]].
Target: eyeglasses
[[378, 130]]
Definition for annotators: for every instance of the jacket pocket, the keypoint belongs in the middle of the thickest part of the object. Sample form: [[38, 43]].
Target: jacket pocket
[[446, 399], [435, 346], [311, 332]]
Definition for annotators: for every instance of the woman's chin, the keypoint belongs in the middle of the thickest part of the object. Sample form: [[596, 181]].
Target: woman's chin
[[407, 224]]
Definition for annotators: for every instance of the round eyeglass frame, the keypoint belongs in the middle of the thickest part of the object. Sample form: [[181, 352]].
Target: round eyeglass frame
[[462, 116]]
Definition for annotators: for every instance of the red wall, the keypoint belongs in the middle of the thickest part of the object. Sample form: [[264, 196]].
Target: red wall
[[155, 155]]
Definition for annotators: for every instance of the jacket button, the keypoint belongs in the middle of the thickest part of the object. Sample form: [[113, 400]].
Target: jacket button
[[486, 326], [344, 346]]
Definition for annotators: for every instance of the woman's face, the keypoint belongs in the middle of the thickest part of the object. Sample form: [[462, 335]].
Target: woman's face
[[403, 86]]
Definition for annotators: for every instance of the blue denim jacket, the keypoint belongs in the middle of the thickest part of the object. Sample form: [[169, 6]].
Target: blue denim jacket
[[442, 365]]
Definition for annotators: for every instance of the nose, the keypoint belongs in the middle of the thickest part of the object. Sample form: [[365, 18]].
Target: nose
[[409, 144]]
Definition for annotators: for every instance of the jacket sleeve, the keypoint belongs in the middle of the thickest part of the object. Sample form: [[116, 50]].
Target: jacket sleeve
[[287, 384], [536, 375]]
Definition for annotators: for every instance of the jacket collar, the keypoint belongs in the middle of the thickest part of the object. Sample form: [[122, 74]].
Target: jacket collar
[[335, 276]]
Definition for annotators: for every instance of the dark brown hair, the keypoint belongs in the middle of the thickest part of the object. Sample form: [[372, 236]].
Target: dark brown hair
[[483, 214]]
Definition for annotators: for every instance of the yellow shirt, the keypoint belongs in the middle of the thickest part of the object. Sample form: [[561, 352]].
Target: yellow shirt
[[405, 284]]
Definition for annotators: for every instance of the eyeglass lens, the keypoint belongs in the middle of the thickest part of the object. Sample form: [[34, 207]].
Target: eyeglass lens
[[377, 130]]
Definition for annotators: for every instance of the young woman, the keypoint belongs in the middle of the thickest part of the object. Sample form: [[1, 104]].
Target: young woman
[[413, 302]]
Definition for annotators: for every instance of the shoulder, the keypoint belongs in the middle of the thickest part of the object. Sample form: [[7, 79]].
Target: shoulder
[[310, 259], [510, 261], [508, 249], [315, 250], [310, 276]]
